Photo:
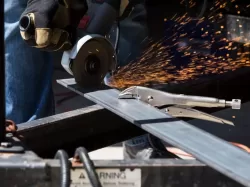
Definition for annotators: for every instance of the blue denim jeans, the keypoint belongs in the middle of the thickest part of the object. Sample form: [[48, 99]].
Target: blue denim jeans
[[29, 71]]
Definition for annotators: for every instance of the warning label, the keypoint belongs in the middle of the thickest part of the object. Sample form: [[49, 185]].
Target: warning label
[[108, 178]]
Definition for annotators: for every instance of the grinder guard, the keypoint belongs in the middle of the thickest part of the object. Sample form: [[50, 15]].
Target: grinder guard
[[92, 57]]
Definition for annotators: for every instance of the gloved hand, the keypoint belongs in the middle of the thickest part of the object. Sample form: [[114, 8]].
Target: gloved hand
[[51, 24]]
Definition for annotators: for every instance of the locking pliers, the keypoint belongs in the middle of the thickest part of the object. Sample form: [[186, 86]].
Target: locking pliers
[[180, 105]]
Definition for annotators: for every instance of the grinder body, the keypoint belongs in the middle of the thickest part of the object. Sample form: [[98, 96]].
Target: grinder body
[[93, 56]]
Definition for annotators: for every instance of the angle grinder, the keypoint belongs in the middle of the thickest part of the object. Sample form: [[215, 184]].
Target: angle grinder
[[93, 56]]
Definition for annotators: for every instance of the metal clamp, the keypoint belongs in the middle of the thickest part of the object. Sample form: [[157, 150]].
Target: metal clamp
[[183, 103]]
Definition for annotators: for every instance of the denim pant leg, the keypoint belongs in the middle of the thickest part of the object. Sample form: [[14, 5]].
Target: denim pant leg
[[29, 72]]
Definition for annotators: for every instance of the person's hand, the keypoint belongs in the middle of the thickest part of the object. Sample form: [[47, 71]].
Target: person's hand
[[51, 24]]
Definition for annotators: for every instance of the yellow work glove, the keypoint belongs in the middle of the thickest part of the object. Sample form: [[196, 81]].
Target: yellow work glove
[[51, 25]]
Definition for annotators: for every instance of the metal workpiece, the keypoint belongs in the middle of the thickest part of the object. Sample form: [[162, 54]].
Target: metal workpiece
[[159, 98], [216, 153]]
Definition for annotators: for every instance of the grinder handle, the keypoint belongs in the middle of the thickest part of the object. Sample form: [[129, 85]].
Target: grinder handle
[[104, 18]]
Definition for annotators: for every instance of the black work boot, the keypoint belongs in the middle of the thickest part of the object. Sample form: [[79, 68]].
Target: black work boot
[[145, 147]]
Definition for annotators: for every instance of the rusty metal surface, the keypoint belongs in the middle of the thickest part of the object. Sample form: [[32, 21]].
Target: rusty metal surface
[[218, 154]]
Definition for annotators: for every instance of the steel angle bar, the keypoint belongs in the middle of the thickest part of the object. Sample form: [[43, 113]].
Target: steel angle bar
[[215, 152], [76, 128]]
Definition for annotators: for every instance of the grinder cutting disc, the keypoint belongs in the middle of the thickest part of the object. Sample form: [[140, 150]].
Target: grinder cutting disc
[[93, 61]]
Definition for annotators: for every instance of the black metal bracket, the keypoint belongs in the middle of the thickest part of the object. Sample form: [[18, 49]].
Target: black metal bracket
[[11, 145]]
